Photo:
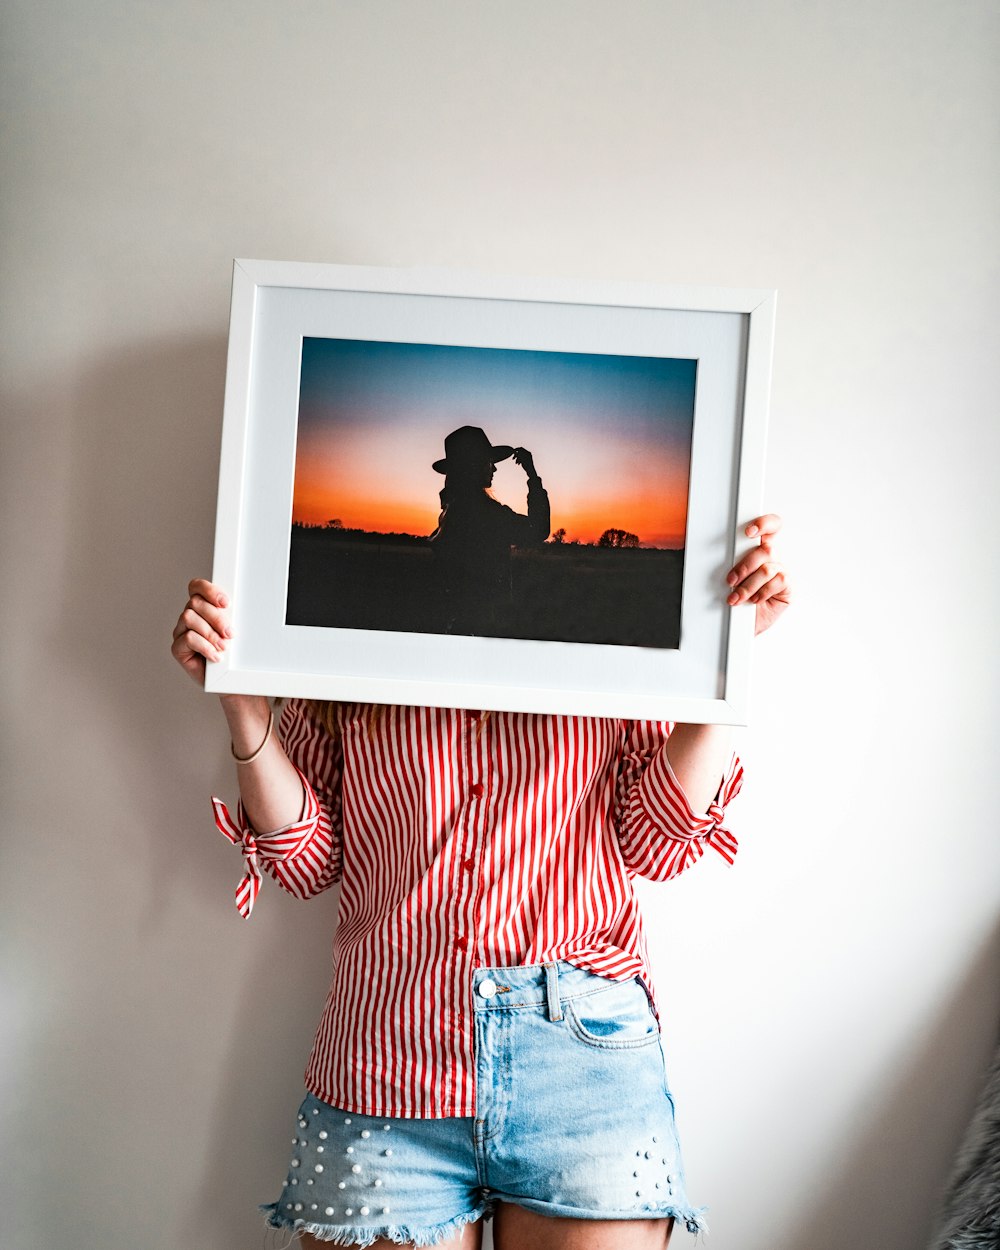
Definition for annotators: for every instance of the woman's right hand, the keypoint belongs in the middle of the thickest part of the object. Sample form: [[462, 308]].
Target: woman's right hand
[[524, 458], [202, 629]]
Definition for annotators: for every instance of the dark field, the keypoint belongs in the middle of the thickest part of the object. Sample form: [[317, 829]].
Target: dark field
[[559, 592]]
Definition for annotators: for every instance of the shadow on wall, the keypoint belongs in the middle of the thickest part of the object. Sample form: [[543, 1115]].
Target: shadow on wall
[[147, 427], [888, 1191], [138, 511]]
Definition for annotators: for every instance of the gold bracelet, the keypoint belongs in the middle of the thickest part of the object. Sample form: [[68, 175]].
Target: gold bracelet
[[249, 759]]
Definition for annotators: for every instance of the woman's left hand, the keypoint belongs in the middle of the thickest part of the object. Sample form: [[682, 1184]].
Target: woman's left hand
[[759, 578]]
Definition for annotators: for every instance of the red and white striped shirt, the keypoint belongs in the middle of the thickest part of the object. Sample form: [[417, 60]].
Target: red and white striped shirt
[[461, 840]]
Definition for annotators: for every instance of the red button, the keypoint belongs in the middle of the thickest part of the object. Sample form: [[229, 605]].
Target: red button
[[462, 943], [469, 863], [477, 790]]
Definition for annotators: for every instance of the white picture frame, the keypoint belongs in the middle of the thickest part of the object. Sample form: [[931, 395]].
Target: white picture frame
[[276, 304]]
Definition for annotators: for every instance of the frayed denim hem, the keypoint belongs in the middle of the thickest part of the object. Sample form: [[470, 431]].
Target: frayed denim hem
[[690, 1216], [694, 1221], [367, 1235]]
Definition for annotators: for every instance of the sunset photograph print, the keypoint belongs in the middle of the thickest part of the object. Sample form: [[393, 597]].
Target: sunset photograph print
[[490, 491]]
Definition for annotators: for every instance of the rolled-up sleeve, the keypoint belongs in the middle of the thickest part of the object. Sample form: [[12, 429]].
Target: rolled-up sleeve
[[306, 856], [659, 833]]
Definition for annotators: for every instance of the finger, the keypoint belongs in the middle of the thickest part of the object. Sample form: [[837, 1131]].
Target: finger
[[207, 620], [765, 526], [191, 642], [218, 618], [193, 652], [778, 585], [752, 583], [752, 561], [208, 591], [194, 619]]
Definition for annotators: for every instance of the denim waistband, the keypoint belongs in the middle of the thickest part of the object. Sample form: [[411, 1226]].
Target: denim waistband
[[534, 985]]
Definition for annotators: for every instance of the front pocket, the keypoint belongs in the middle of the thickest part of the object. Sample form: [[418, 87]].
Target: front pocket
[[613, 1018]]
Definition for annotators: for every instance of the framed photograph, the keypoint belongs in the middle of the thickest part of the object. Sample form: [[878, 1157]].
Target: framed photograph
[[460, 490]]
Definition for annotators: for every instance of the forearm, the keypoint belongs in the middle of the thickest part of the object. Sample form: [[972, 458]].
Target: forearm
[[539, 517], [698, 755], [270, 787]]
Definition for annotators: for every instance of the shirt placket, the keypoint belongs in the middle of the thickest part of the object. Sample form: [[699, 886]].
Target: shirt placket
[[475, 801]]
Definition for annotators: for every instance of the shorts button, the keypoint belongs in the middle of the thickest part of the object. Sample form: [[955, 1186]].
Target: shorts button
[[461, 943], [477, 790], [487, 988], [469, 863]]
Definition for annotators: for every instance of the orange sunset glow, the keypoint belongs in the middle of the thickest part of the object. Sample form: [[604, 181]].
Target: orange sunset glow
[[609, 436], [370, 493]]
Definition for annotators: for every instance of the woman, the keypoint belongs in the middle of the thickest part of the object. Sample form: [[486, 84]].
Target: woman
[[490, 1046], [475, 532]]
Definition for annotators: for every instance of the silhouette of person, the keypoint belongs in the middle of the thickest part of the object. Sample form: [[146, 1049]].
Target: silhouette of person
[[475, 532]]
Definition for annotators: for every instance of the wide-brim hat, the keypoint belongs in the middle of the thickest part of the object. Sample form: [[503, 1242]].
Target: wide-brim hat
[[466, 445]]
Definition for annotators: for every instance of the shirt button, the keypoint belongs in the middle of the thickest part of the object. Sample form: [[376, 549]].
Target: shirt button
[[469, 863], [487, 988], [477, 790], [462, 943]]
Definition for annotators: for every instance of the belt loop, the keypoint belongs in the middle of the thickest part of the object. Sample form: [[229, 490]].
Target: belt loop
[[552, 991]]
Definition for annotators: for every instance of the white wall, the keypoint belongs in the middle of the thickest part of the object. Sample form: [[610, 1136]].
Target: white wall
[[835, 995]]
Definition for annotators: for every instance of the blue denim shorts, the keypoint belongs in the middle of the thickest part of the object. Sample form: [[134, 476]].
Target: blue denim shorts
[[574, 1118]]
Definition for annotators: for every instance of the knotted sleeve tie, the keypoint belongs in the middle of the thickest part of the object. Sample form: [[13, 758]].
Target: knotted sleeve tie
[[283, 844]]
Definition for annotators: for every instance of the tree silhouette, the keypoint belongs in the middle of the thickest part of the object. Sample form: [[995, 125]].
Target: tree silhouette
[[618, 538], [335, 523], [559, 536]]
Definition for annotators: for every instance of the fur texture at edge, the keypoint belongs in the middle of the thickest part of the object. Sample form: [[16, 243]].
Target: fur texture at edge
[[971, 1216]]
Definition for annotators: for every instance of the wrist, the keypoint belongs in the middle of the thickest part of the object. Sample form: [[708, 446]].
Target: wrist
[[240, 757], [247, 716], [244, 704]]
